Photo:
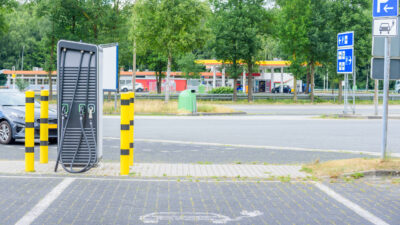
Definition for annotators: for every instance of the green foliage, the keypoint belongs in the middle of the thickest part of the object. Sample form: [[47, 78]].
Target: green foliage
[[3, 79], [293, 21], [237, 27], [299, 31], [22, 84], [155, 29], [5, 5], [190, 69], [221, 90], [39, 25], [357, 175], [351, 15]]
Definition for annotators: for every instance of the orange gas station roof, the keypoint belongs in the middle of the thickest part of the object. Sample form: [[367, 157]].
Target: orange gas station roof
[[28, 72]]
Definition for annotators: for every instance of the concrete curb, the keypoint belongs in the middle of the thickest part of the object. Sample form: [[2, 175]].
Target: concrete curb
[[193, 114], [365, 117]]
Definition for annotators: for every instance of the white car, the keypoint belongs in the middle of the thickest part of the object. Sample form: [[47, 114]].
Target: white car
[[138, 87]]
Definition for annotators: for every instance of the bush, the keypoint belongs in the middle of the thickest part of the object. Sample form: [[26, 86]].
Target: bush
[[22, 84], [222, 90]]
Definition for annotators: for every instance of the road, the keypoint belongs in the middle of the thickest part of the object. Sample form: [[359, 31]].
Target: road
[[240, 139], [58, 200], [275, 131], [315, 110]]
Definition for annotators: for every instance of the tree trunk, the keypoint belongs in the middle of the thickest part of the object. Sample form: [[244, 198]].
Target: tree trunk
[[134, 68], [295, 89], [234, 90], [159, 81], [308, 80], [340, 97], [167, 89], [250, 80], [312, 82]]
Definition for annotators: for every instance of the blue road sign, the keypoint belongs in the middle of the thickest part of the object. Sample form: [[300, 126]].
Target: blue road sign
[[345, 60], [385, 8], [345, 40]]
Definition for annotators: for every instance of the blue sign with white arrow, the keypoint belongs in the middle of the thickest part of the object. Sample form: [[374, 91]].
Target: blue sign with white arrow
[[385, 8], [345, 40], [345, 58]]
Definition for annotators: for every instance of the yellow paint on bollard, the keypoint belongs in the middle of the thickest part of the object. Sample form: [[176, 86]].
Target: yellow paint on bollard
[[133, 127], [131, 115], [44, 126], [125, 133], [30, 131]]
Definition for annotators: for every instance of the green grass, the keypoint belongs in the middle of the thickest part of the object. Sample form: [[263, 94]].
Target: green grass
[[284, 179], [357, 175], [204, 163]]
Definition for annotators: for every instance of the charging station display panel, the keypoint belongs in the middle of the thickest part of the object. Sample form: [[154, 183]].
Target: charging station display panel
[[78, 106]]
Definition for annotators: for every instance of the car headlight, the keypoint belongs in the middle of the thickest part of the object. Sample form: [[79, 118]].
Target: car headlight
[[17, 116]]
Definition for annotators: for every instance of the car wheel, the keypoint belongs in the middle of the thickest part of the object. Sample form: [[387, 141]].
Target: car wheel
[[6, 133], [125, 90], [53, 140]]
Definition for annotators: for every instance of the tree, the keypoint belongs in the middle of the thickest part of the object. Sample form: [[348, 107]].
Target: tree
[[293, 34], [189, 68], [319, 35], [351, 15], [238, 27], [155, 62], [170, 28], [254, 15], [4, 4]]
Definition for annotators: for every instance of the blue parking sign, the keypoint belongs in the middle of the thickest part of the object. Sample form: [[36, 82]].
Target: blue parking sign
[[345, 60], [385, 8]]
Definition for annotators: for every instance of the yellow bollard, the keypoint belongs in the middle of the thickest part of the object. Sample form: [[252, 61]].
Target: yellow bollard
[[131, 130], [30, 131], [44, 126], [125, 133]]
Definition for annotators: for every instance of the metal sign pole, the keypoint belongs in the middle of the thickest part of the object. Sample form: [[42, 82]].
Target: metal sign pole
[[354, 85], [346, 82], [385, 97]]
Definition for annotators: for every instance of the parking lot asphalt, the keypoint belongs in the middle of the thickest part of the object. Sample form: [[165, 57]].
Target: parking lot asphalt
[[165, 152], [130, 201]]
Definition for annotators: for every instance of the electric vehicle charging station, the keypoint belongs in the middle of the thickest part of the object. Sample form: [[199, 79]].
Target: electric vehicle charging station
[[79, 107]]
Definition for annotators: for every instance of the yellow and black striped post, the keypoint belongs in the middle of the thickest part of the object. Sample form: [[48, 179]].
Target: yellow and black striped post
[[30, 131], [131, 128], [125, 133], [44, 126]]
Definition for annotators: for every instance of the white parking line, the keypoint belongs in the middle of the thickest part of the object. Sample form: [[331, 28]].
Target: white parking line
[[351, 205], [41, 206], [258, 146]]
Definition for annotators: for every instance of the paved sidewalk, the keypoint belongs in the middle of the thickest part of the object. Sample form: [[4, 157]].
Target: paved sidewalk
[[170, 170]]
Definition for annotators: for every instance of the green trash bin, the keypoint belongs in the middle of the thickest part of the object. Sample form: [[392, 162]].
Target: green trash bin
[[202, 89], [187, 101]]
